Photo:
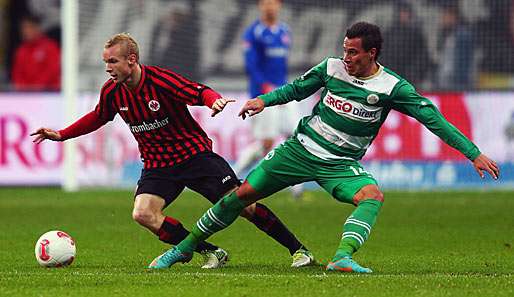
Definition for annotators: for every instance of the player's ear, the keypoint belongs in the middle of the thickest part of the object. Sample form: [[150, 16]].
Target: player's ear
[[373, 53], [132, 59]]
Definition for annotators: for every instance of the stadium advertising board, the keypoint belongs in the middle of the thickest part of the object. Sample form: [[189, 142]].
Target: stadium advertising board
[[404, 155]]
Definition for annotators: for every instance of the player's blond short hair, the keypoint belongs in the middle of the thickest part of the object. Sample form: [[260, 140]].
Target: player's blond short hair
[[126, 41]]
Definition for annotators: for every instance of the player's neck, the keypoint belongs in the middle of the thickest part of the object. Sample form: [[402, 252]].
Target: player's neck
[[269, 21], [373, 69], [134, 78]]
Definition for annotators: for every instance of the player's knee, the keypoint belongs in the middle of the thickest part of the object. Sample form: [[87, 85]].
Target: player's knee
[[247, 194], [379, 196], [368, 192], [144, 217], [267, 144], [248, 212]]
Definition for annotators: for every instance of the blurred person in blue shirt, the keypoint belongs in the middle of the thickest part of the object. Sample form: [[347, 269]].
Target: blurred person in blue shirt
[[266, 48], [266, 45]]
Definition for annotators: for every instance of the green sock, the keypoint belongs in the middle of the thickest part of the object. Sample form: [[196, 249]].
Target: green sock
[[217, 218], [357, 227]]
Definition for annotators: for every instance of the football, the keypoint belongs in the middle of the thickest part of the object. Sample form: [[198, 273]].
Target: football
[[55, 249]]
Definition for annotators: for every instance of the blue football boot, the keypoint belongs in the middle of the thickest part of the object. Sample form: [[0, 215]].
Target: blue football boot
[[347, 264], [169, 258]]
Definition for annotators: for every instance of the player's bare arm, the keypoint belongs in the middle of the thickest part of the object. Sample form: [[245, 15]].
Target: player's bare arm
[[251, 108], [219, 105], [483, 163], [45, 133]]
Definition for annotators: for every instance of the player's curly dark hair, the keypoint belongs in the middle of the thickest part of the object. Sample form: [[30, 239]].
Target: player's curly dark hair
[[369, 34]]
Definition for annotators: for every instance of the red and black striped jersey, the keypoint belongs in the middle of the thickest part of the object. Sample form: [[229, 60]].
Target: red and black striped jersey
[[157, 115]]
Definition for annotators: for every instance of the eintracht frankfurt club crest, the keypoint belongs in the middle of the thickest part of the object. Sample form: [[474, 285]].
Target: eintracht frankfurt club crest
[[154, 105]]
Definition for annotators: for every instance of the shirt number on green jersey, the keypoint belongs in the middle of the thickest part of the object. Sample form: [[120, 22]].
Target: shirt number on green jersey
[[359, 171]]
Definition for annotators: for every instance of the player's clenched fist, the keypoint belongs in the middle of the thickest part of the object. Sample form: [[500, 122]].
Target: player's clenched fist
[[45, 133], [219, 104]]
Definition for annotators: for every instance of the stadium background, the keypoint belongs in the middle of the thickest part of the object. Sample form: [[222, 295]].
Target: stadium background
[[201, 39]]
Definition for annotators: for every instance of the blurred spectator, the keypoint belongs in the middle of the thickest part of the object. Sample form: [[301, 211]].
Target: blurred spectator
[[405, 50], [176, 45], [49, 13], [266, 44], [37, 61], [497, 38], [455, 52]]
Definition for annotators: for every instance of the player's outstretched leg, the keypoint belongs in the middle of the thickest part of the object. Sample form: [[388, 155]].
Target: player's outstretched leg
[[148, 213], [218, 217], [356, 230], [173, 232]]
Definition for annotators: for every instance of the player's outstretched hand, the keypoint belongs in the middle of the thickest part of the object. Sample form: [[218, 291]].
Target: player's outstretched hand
[[483, 163], [251, 108], [45, 133], [219, 104]]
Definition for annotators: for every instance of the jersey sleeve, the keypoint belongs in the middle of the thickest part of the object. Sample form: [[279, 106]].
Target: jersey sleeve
[[179, 87], [105, 109], [251, 48], [209, 96], [409, 102], [85, 125], [301, 88]]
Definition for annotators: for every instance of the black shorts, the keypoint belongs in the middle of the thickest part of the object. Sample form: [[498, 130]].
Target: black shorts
[[206, 173]]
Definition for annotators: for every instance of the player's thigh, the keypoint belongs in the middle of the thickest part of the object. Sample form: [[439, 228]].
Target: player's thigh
[[344, 181], [266, 124], [264, 183], [280, 168], [159, 182], [211, 176]]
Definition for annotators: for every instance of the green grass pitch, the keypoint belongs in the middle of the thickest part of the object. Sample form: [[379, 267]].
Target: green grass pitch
[[424, 244]]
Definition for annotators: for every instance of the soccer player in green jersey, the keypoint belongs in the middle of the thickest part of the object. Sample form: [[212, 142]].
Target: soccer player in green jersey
[[358, 93]]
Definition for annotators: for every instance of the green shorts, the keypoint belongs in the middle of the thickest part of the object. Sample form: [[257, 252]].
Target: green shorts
[[290, 163]]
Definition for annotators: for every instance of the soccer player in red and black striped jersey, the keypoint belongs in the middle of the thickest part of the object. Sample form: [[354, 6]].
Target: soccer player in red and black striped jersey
[[175, 150]]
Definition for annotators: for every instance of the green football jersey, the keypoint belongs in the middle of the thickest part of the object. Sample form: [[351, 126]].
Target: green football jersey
[[351, 110]]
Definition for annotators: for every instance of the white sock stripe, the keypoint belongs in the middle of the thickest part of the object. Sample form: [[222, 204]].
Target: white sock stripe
[[204, 229], [355, 235], [215, 219], [359, 223], [201, 227]]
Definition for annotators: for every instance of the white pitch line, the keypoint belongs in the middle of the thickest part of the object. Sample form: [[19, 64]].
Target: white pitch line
[[258, 275]]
